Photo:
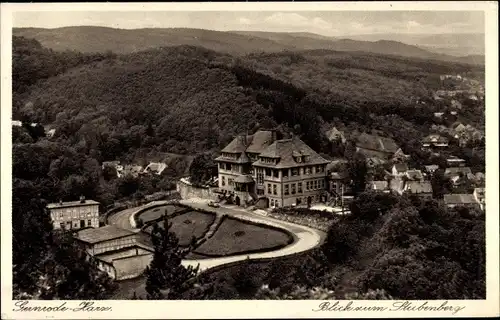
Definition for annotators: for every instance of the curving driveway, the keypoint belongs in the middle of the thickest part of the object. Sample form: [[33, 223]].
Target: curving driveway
[[306, 238]]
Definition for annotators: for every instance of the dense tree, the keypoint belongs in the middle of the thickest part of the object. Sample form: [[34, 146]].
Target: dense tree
[[166, 277], [202, 169]]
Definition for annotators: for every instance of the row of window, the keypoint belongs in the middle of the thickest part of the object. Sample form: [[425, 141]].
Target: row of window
[[230, 181], [69, 225], [310, 186], [294, 188], [294, 171], [74, 213]]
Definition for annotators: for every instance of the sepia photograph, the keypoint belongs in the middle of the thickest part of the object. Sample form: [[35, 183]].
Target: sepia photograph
[[186, 154]]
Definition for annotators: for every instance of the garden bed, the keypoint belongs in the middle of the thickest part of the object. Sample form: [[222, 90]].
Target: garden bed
[[187, 225], [156, 213], [235, 236]]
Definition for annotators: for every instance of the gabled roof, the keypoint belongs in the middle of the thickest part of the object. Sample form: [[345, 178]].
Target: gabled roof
[[255, 143], [401, 167], [418, 186], [286, 150], [109, 232], [456, 170], [459, 199], [378, 143], [259, 141], [415, 174], [237, 145]]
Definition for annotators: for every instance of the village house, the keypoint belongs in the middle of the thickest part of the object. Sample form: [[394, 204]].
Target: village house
[[454, 161], [434, 141], [74, 214], [400, 156], [456, 104], [276, 173], [455, 174], [334, 135], [155, 168], [422, 189], [17, 123], [414, 175], [376, 146], [50, 133], [480, 197], [399, 169], [339, 183], [431, 168], [117, 251], [438, 115], [379, 185], [133, 170], [460, 200], [112, 164]]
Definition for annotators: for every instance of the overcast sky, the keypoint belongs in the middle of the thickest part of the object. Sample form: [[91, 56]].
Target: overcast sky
[[327, 23]]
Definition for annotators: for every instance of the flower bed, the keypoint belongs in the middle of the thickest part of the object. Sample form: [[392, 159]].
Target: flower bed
[[315, 219], [235, 236], [187, 225]]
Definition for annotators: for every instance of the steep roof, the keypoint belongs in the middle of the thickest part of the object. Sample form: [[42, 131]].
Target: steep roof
[[286, 150], [418, 186], [372, 142], [109, 232], [237, 145], [259, 141], [459, 199]]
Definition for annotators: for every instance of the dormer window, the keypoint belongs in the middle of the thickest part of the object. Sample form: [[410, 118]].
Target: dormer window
[[298, 159]]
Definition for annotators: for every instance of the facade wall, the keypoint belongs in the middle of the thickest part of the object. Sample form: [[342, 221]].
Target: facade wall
[[188, 191], [132, 266], [75, 217], [111, 245]]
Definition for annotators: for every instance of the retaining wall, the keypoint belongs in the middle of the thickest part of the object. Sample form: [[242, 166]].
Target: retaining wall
[[188, 191]]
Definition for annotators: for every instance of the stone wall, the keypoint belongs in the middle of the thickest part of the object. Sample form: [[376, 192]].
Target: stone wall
[[187, 191]]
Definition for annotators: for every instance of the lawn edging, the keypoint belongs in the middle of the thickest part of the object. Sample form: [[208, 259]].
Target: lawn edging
[[291, 239]]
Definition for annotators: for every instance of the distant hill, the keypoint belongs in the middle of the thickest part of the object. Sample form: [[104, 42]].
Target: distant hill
[[457, 44], [101, 39]]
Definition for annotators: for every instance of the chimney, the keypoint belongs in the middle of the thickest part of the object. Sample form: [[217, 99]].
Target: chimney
[[82, 199]]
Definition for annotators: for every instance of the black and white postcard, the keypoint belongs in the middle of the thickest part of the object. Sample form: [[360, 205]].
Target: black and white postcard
[[249, 160]]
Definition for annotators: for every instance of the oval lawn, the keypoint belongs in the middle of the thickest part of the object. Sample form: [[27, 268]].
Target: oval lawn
[[235, 236]]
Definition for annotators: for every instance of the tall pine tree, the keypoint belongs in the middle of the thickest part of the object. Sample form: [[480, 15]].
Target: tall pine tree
[[166, 277]]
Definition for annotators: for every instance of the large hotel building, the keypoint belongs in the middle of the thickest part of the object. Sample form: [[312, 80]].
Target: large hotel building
[[260, 169]]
